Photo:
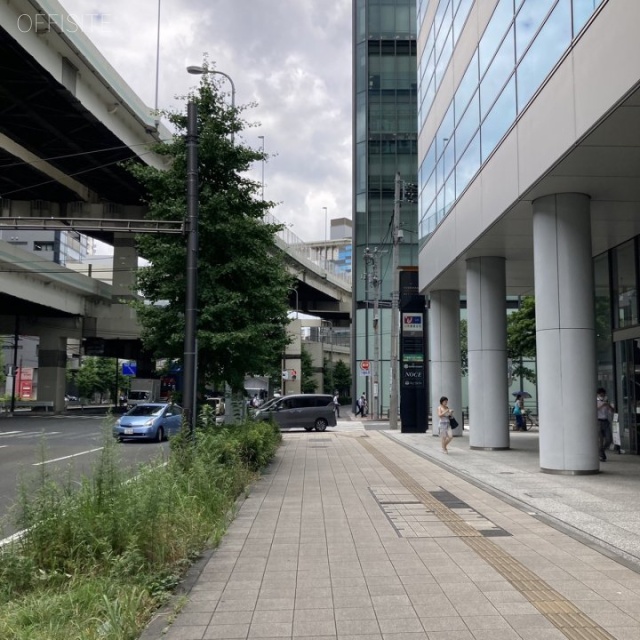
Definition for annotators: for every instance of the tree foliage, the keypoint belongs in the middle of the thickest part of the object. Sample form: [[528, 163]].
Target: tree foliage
[[342, 378], [309, 383], [96, 375], [242, 281], [327, 377], [521, 338]]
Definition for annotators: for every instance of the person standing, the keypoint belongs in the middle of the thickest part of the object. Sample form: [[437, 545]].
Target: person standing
[[444, 425], [360, 406], [604, 409], [336, 404], [518, 412]]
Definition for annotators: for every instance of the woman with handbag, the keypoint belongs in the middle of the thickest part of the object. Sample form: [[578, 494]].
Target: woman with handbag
[[444, 423]]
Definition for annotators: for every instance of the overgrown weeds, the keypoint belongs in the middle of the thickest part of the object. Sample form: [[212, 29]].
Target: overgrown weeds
[[98, 558]]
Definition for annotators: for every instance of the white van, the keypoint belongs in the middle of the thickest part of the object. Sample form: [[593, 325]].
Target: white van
[[300, 411]]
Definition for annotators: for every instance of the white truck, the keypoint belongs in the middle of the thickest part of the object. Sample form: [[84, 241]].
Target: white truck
[[143, 390]]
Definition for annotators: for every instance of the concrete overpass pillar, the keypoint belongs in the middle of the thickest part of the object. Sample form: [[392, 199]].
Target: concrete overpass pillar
[[52, 369], [125, 265], [444, 346]]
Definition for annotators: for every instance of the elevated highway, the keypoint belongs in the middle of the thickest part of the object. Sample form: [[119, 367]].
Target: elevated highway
[[67, 122]]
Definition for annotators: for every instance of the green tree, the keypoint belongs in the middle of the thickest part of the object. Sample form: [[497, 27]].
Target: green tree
[[521, 338], [242, 279], [309, 383], [328, 385], [96, 375], [342, 378]]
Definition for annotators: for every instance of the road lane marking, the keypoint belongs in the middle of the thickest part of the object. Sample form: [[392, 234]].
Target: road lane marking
[[73, 455], [9, 433]]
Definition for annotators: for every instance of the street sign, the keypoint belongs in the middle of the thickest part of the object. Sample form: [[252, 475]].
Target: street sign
[[129, 368], [285, 374], [365, 368]]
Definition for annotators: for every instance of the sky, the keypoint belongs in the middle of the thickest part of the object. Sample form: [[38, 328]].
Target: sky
[[292, 58]]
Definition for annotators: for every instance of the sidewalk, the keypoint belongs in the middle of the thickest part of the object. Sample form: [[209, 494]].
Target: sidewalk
[[368, 535]]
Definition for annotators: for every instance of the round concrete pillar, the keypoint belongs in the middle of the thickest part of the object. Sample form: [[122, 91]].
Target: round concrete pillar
[[565, 334], [487, 353], [444, 347]]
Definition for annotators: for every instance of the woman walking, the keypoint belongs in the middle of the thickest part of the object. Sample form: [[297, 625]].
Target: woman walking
[[444, 426]]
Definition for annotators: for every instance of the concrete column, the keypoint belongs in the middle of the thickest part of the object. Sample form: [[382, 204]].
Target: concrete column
[[292, 357], [125, 265], [565, 334], [52, 369], [444, 347], [487, 353]]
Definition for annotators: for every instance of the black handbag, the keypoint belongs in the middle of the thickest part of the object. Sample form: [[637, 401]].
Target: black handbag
[[453, 422]]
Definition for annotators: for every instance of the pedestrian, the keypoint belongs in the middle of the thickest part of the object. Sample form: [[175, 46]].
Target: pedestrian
[[444, 425], [336, 403], [360, 405], [604, 410], [518, 412]]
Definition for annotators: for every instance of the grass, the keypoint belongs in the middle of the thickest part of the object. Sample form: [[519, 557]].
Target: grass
[[99, 558]]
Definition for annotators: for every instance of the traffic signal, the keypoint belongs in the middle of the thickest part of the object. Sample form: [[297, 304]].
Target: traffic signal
[[294, 374]]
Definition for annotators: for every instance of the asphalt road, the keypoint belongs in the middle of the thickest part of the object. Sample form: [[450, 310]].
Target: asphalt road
[[64, 447]]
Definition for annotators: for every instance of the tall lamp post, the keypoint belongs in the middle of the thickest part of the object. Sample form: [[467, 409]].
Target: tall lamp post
[[197, 70], [326, 250], [191, 308]]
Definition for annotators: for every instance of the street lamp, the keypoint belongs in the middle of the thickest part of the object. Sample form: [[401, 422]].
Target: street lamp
[[296, 292], [197, 70], [326, 250], [262, 138], [191, 304]]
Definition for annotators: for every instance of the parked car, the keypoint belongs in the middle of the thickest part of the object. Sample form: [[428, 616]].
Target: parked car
[[150, 421], [300, 411]]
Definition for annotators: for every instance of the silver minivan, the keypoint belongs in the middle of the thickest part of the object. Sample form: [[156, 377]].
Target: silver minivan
[[300, 411]]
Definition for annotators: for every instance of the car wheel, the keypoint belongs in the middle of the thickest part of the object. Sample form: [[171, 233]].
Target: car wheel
[[160, 435], [308, 428], [321, 424]]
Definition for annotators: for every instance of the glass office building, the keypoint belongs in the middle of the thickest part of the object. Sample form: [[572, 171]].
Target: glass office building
[[529, 169], [384, 143]]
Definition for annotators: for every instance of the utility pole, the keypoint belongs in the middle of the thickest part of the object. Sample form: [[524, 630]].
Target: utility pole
[[395, 295], [371, 259]]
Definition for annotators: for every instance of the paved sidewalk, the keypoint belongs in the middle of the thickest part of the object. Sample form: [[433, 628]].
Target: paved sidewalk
[[352, 535]]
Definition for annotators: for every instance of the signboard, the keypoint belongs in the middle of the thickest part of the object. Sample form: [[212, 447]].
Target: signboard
[[412, 322], [412, 376], [129, 368], [24, 382], [365, 368]]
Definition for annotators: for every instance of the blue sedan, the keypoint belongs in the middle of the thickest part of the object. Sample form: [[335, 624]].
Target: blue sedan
[[150, 421]]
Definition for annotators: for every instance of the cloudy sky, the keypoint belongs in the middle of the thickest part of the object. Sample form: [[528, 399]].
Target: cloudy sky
[[291, 57]]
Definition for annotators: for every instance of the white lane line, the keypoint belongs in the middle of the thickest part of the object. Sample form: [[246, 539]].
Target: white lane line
[[9, 433], [82, 453], [3, 446]]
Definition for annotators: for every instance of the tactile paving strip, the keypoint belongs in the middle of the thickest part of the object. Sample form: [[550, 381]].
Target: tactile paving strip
[[559, 611], [411, 518]]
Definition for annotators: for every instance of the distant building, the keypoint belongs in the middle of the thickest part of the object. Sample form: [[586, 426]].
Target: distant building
[[336, 250]]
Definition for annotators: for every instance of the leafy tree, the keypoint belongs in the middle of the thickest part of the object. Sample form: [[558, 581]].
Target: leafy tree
[[342, 378], [242, 280], [309, 383], [95, 375], [328, 385], [521, 338]]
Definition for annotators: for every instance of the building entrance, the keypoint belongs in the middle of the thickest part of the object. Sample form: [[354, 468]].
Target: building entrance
[[627, 401]]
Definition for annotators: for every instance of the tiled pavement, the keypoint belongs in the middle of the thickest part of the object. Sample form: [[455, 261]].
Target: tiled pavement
[[352, 536]]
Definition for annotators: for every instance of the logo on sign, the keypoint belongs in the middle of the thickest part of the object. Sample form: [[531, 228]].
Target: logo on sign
[[412, 322]]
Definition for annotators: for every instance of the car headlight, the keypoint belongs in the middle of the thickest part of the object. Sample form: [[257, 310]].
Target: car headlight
[[148, 423]]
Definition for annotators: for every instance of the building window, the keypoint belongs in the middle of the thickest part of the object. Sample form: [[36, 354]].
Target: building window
[[625, 288], [43, 246]]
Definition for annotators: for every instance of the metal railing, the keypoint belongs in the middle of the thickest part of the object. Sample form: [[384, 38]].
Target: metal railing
[[298, 247]]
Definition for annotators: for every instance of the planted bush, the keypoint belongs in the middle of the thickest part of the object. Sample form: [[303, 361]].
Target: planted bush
[[98, 558]]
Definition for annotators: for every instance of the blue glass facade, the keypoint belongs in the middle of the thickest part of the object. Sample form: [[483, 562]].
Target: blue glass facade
[[522, 43]]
